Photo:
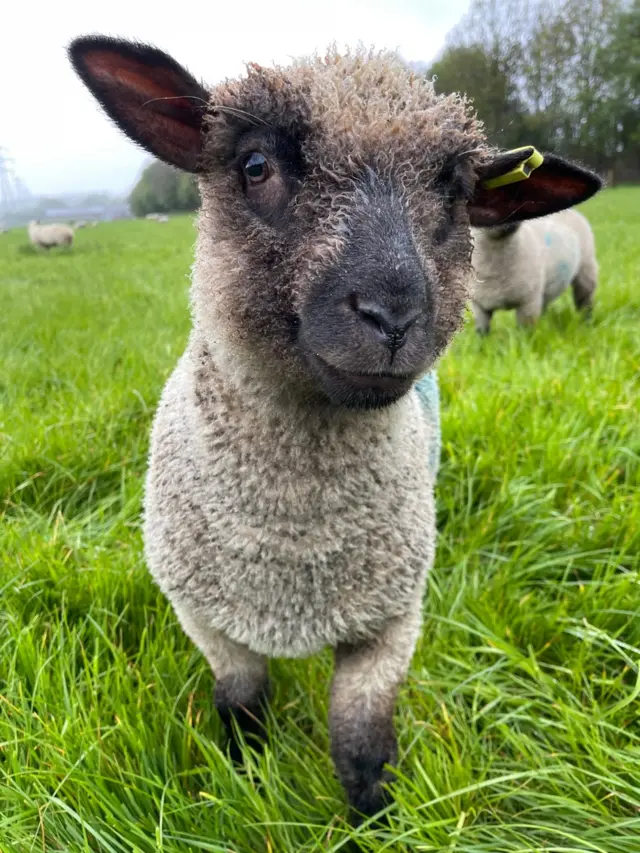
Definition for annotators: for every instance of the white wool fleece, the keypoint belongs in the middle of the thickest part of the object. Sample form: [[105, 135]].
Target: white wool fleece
[[527, 267]]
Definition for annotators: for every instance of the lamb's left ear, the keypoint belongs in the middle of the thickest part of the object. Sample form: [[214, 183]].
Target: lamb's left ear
[[504, 193], [152, 98]]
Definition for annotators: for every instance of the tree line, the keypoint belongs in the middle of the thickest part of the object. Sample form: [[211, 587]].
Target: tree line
[[162, 189], [563, 75]]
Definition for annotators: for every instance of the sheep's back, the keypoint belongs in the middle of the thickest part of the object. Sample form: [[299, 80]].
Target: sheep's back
[[560, 236], [51, 235], [542, 254]]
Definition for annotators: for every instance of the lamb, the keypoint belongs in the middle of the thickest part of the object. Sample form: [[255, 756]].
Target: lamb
[[48, 236], [289, 501], [526, 265]]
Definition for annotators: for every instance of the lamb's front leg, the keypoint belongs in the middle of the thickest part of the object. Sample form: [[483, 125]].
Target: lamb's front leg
[[363, 699], [242, 685]]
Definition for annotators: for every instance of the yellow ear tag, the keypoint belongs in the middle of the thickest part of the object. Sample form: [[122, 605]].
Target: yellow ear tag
[[521, 172]]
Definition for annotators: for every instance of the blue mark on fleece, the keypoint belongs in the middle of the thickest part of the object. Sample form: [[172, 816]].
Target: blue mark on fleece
[[548, 239], [429, 394], [563, 270]]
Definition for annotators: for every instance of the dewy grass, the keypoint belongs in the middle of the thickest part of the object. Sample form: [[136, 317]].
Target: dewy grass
[[519, 726]]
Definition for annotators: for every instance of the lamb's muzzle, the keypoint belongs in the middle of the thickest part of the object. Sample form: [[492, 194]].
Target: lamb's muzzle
[[367, 324]]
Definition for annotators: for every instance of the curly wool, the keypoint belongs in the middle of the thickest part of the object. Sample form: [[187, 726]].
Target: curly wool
[[346, 113], [279, 522]]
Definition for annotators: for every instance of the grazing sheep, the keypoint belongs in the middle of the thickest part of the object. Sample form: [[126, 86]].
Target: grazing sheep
[[526, 265], [153, 216], [80, 224], [289, 500], [48, 236]]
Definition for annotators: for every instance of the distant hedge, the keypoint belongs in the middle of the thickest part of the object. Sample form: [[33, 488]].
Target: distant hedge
[[162, 189]]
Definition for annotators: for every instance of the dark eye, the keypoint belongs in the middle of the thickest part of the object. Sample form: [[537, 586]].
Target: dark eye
[[256, 168]]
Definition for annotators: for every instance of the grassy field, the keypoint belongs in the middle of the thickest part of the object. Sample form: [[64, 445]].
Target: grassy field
[[519, 727]]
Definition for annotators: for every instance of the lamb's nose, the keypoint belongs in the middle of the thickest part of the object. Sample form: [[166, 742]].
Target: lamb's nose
[[391, 326]]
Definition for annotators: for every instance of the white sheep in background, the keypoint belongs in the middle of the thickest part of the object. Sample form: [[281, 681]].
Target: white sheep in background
[[290, 498], [152, 216], [48, 236], [526, 265], [80, 224]]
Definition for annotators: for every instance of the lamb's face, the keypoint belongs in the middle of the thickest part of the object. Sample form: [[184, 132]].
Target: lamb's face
[[335, 198], [334, 242]]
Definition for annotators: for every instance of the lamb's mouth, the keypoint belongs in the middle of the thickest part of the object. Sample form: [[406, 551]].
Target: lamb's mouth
[[359, 390]]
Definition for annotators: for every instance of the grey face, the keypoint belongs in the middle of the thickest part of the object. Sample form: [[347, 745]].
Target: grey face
[[366, 328]]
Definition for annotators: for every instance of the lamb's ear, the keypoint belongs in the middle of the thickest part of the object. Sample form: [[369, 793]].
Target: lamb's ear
[[152, 98], [504, 192]]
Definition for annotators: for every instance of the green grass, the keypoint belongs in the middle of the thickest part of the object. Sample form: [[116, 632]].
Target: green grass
[[519, 727]]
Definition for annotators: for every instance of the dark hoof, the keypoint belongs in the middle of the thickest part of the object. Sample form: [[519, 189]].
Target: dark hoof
[[365, 777], [246, 719], [367, 803], [237, 748]]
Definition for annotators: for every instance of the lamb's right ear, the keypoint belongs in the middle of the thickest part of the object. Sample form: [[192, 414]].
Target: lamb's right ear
[[152, 98]]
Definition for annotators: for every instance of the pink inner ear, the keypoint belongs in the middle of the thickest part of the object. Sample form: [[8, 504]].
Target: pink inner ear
[[552, 187], [559, 185], [155, 101], [133, 75]]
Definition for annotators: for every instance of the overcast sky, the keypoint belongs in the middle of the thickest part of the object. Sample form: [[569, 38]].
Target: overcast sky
[[53, 128]]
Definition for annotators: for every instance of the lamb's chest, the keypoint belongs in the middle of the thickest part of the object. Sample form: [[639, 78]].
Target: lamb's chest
[[291, 545], [306, 550]]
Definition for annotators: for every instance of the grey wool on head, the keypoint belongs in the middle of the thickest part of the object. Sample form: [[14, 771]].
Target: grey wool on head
[[290, 495]]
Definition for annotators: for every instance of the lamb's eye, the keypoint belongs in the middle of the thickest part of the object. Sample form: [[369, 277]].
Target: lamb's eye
[[265, 184], [256, 168]]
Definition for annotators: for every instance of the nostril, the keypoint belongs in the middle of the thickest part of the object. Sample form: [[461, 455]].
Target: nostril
[[393, 327], [374, 314], [375, 319], [397, 338]]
